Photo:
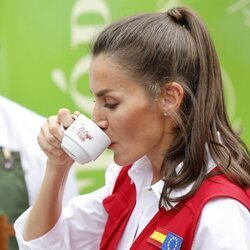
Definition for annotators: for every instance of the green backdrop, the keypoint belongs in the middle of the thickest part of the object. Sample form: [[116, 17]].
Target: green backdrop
[[44, 55]]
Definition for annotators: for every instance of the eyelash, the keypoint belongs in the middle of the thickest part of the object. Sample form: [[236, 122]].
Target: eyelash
[[110, 106]]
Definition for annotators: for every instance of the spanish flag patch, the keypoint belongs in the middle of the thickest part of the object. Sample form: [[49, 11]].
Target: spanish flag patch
[[165, 240]]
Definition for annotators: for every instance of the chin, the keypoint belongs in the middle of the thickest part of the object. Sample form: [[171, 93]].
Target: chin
[[124, 161]]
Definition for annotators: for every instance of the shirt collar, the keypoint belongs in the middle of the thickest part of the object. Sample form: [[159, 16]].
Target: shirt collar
[[143, 168]]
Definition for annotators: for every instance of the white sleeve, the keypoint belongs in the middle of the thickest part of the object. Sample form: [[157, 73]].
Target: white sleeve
[[224, 224], [80, 225], [71, 189]]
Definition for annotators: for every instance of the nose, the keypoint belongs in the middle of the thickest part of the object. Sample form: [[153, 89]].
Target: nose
[[100, 118]]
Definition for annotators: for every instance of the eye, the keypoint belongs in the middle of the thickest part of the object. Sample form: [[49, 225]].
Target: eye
[[110, 105], [110, 102]]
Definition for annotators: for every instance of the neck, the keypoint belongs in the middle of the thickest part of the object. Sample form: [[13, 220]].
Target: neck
[[156, 167], [156, 156]]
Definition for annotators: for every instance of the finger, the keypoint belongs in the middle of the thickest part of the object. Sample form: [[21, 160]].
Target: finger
[[53, 137], [45, 145], [77, 113], [65, 117], [53, 152], [61, 160], [53, 132], [50, 134]]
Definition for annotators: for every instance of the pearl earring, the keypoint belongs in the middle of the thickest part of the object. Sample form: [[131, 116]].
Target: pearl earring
[[165, 113]]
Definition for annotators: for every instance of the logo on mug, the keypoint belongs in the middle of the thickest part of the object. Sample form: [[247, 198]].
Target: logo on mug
[[83, 134]]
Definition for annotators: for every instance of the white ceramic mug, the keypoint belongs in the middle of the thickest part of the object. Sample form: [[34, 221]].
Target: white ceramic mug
[[84, 141]]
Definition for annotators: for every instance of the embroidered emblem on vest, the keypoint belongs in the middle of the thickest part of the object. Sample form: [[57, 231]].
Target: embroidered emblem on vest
[[165, 240]]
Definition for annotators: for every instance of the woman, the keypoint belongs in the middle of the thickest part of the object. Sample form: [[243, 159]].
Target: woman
[[186, 176]]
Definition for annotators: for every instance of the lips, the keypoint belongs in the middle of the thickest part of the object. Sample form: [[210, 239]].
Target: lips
[[111, 144]]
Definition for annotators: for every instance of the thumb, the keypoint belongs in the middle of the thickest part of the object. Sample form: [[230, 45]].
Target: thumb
[[65, 117]]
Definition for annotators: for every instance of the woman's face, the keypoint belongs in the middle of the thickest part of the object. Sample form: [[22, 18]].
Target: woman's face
[[133, 121]]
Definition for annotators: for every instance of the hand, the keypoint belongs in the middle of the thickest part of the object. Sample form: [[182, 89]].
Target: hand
[[50, 138]]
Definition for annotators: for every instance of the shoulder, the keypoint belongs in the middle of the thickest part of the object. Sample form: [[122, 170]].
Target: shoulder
[[218, 187], [223, 224], [96, 197], [225, 207]]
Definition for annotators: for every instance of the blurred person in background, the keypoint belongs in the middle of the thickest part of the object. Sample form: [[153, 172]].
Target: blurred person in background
[[22, 161]]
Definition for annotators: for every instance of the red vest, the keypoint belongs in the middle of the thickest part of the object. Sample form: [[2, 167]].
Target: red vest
[[182, 221]]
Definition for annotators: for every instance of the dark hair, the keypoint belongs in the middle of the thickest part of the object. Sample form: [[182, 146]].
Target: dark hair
[[157, 48]]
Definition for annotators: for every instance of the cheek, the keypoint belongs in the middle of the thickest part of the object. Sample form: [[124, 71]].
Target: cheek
[[137, 131], [140, 124], [123, 126], [139, 136]]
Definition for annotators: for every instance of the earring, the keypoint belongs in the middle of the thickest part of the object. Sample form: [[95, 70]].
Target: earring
[[165, 113]]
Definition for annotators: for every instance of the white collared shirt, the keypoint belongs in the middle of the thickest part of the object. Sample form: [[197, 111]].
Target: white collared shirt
[[224, 222]]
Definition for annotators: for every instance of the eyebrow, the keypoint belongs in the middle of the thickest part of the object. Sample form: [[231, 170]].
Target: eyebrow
[[103, 92]]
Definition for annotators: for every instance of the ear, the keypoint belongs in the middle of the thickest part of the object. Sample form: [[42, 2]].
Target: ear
[[171, 97]]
